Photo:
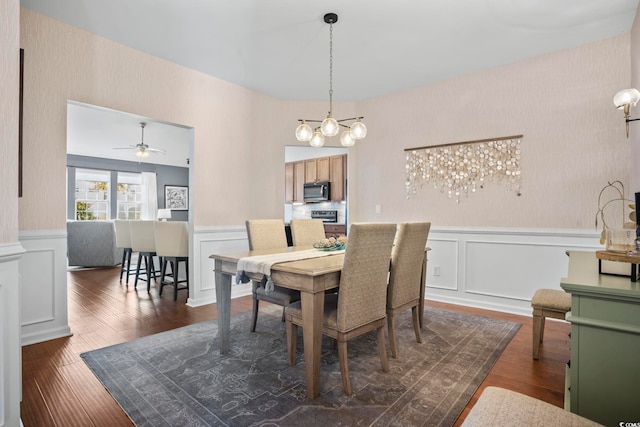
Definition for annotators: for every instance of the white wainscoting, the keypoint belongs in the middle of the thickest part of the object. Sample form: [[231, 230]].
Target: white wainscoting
[[43, 271], [10, 354], [207, 241], [500, 269], [492, 268]]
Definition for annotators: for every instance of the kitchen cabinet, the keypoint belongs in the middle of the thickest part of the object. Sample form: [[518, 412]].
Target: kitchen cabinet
[[334, 230], [605, 342], [337, 167], [294, 176], [332, 169], [317, 169]]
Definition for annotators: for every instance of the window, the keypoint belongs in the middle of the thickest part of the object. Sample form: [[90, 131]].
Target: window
[[92, 195], [129, 195]]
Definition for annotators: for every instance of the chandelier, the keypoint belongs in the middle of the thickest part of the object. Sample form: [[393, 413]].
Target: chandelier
[[354, 128]]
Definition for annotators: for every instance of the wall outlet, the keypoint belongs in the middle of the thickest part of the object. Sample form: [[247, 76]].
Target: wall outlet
[[378, 209], [436, 270]]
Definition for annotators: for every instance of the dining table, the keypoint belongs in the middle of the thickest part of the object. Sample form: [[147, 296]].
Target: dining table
[[312, 277]]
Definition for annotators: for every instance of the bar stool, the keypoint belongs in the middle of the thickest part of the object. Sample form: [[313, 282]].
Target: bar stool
[[547, 303], [143, 241], [172, 246]]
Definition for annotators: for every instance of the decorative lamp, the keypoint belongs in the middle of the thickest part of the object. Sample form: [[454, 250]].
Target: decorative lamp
[[624, 100], [330, 126], [164, 214]]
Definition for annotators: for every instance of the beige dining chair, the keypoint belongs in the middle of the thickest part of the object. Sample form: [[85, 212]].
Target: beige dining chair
[[306, 232], [143, 241], [123, 241], [405, 275], [172, 246], [360, 305], [268, 234]]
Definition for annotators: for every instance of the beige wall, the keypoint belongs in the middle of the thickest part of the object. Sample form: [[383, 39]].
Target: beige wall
[[9, 76], [574, 140]]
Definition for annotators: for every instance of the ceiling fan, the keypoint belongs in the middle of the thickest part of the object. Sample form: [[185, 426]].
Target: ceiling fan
[[142, 149]]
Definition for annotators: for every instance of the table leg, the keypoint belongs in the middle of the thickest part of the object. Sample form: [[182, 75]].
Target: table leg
[[312, 313], [223, 306]]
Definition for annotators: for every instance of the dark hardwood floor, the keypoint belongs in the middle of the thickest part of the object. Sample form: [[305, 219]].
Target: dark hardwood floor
[[59, 389]]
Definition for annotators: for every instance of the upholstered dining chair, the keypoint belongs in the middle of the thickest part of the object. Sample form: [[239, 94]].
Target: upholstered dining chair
[[123, 240], [360, 305], [172, 246], [143, 241], [268, 234], [306, 232], [404, 290]]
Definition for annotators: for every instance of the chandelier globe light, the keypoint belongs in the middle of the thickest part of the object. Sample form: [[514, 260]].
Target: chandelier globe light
[[330, 126], [317, 140], [304, 132]]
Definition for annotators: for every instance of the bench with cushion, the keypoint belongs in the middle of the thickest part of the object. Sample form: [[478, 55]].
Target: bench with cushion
[[500, 407]]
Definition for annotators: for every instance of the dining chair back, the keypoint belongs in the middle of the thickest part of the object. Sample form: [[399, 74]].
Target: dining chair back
[[306, 232], [172, 246], [143, 241], [123, 240], [360, 304], [268, 234], [405, 275]]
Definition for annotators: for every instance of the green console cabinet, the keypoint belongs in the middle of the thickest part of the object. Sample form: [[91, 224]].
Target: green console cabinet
[[604, 373]]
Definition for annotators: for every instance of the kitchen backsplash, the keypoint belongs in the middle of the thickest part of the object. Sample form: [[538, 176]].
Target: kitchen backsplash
[[304, 211]]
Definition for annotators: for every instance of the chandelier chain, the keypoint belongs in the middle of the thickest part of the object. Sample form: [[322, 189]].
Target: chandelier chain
[[331, 69]]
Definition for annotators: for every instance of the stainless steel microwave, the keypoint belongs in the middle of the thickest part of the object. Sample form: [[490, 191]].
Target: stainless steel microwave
[[317, 191]]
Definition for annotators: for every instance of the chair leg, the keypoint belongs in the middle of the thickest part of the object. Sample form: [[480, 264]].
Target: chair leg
[[292, 341], [174, 267], [163, 272], [538, 328], [149, 265], [254, 314], [416, 323], [135, 283], [382, 350], [129, 251], [393, 343], [123, 263], [344, 366]]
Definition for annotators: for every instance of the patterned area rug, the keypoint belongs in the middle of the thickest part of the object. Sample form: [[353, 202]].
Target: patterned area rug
[[179, 378]]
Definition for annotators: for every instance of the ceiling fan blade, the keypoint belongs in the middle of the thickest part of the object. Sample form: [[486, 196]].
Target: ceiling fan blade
[[157, 150], [125, 148]]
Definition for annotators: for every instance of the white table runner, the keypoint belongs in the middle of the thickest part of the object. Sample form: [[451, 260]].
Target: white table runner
[[262, 263]]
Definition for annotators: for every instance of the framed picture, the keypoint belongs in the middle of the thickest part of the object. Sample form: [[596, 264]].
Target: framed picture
[[176, 197]]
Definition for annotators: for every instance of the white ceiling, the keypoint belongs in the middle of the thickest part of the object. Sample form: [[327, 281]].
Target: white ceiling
[[95, 132], [281, 47]]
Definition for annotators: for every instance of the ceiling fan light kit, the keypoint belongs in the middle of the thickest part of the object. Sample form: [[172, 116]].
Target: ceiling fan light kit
[[329, 126], [142, 149]]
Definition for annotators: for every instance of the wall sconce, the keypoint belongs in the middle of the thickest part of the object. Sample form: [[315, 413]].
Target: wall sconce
[[624, 100], [164, 214]]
